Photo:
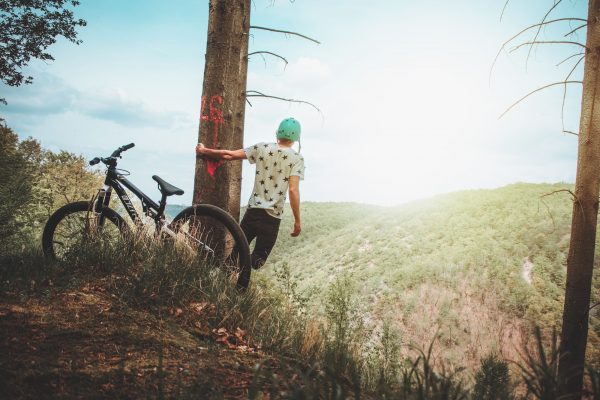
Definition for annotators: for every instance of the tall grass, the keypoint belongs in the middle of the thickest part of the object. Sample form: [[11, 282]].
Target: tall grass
[[334, 355]]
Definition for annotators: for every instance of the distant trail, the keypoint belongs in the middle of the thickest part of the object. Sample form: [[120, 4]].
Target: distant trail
[[527, 269]]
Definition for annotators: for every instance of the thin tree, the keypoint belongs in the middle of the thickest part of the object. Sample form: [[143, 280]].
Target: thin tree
[[580, 261]]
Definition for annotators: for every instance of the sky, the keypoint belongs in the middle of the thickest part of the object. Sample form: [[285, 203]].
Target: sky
[[409, 101]]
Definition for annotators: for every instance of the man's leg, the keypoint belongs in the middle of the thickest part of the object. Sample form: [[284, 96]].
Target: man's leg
[[266, 236], [248, 225]]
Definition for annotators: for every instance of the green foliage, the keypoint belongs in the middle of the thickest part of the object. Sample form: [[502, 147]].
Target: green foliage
[[444, 262], [343, 331], [34, 183], [492, 380], [289, 288], [16, 186], [27, 29]]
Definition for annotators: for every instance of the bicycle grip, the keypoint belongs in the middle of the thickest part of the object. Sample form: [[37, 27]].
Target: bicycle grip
[[127, 146], [94, 161]]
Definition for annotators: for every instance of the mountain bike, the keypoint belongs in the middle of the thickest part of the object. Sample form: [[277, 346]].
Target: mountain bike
[[212, 233]]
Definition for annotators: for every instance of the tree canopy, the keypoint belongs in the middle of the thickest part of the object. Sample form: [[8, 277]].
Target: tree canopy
[[27, 29]]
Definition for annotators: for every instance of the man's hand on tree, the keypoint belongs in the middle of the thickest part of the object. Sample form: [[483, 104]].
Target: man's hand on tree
[[200, 150]]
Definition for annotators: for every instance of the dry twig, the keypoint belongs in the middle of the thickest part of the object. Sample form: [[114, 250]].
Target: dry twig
[[535, 91], [547, 42], [556, 3], [525, 30], [503, 9], [562, 109], [270, 53], [548, 208], [568, 58], [576, 29], [254, 93], [285, 32]]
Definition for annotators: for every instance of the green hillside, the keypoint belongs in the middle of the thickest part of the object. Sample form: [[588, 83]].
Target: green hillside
[[173, 209], [479, 266]]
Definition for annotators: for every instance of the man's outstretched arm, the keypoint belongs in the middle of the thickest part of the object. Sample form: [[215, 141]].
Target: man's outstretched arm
[[295, 203], [227, 155]]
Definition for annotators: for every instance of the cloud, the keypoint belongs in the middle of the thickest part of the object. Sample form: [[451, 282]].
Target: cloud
[[50, 95], [116, 106]]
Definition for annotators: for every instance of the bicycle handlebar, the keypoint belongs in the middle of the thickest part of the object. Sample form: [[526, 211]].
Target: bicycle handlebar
[[112, 159], [94, 161], [121, 149]]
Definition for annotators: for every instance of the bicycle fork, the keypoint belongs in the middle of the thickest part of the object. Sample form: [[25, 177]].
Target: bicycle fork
[[102, 200]]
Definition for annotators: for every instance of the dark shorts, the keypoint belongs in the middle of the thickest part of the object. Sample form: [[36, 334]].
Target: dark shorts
[[258, 224]]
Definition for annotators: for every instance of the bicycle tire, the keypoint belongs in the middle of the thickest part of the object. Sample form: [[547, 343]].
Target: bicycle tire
[[53, 228], [218, 238]]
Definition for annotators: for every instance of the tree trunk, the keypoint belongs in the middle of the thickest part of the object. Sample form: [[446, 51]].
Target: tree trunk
[[223, 103], [580, 263]]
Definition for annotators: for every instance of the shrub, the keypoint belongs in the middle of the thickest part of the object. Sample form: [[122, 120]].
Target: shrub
[[492, 380]]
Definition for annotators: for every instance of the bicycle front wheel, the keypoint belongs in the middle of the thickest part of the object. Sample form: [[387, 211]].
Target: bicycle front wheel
[[76, 225], [216, 237]]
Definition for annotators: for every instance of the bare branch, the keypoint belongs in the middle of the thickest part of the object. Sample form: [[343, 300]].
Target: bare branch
[[559, 191], [525, 30], [254, 93], [576, 29], [248, 101], [270, 53], [562, 109], [547, 42], [572, 133], [556, 3], [573, 196], [285, 32], [594, 306], [503, 9], [568, 58], [535, 91], [548, 207]]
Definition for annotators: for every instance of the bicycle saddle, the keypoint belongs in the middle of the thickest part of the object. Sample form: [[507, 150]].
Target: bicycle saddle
[[166, 188]]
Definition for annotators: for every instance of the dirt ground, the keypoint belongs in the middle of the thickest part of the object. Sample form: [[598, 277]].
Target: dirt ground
[[84, 343]]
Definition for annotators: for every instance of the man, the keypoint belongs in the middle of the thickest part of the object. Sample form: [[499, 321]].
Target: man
[[279, 169]]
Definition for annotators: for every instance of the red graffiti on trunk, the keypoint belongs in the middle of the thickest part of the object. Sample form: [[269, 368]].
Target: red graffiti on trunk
[[214, 116]]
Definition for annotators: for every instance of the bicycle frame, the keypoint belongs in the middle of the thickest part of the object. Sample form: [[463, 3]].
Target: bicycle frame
[[116, 181]]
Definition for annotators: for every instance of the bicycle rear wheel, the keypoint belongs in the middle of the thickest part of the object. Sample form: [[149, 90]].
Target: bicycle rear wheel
[[75, 225], [216, 237]]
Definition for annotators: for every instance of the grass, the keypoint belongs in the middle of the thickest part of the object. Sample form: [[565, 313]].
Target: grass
[[417, 302]]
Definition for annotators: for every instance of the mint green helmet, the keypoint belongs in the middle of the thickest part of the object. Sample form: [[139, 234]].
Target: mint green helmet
[[289, 129]]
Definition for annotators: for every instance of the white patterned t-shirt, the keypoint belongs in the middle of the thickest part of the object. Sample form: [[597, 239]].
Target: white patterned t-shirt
[[274, 166]]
